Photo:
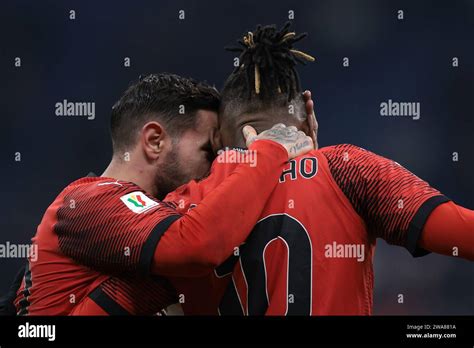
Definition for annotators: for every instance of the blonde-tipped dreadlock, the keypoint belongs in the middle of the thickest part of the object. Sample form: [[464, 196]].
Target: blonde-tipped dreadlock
[[257, 80], [248, 41], [269, 59], [303, 55]]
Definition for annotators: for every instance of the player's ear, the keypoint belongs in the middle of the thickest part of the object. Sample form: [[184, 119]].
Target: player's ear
[[153, 139]]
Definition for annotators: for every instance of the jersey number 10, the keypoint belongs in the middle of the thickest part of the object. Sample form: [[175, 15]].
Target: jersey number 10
[[252, 298]]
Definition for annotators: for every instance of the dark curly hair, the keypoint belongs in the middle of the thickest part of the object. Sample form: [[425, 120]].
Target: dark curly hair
[[160, 97], [266, 76]]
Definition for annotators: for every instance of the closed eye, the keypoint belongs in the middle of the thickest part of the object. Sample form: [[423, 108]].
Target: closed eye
[[207, 148]]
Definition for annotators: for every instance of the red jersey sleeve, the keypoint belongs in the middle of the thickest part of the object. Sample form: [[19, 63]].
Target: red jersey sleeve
[[393, 202], [114, 227], [450, 231], [110, 226], [207, 235], [191, 194]]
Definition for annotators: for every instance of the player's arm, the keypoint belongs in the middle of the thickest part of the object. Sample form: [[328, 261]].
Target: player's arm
[[394, 203], [449, 230], [104, 233], [188, 196], [205, 236]]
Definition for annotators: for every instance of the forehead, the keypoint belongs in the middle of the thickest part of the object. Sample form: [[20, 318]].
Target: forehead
[[206, 121]]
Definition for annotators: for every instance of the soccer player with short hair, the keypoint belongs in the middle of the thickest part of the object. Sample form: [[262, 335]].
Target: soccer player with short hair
[[106, 243], [311, 251]]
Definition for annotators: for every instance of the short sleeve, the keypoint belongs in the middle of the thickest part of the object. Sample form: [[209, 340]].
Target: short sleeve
[[112, 228], [393, 202]]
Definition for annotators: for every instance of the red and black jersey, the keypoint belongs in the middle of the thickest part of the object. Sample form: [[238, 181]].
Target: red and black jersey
[[95, 229], [312, 250], [101, 240]]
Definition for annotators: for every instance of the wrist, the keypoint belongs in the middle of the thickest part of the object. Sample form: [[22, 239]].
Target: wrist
[[271, 147]]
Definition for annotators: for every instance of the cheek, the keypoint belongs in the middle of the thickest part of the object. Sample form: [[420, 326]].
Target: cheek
[[194, 161], [169, 151]]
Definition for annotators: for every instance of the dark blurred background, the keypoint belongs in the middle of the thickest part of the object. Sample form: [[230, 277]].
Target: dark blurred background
[[403, 60]]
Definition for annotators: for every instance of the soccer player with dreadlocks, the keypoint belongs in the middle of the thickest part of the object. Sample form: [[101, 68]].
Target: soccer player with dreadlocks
[[311, 251], [107, 243]]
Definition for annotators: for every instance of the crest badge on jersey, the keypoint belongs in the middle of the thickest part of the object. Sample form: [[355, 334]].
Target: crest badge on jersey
[[138, 202]]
